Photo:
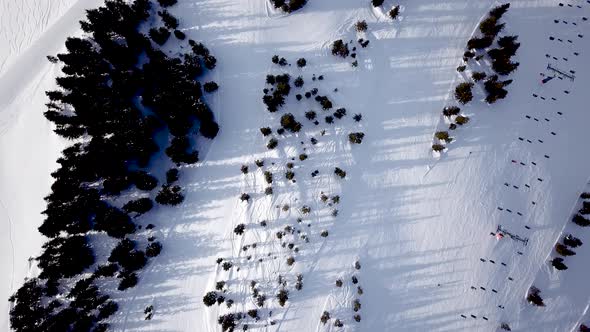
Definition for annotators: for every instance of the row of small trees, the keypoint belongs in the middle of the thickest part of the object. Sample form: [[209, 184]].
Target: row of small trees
[[102, 103]]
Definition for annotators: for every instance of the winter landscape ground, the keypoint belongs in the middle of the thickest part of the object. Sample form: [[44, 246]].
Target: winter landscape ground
[[420, 224]]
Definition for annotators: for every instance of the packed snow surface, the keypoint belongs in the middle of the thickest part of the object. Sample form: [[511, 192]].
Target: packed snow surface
[[418, 223]]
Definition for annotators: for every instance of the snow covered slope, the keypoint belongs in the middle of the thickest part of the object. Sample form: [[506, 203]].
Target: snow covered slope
[[418, 224]]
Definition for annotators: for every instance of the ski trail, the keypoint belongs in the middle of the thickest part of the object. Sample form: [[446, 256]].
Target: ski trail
[[10, 225]]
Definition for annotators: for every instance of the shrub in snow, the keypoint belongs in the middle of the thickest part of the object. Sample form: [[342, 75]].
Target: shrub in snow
[[585, 195], [268, 191], [283, 296], [141, 205], [159, 36], [272, 143], [461, 120], [490, 26], [253, 313], [340, 48], [302, 156], [480, 43], [355, 280], [340, 113], [509, 45], [244, 197], [557, 263], [338, 282], [341, 173], [324, 233], [394, 12], [172, 175], [268, 177], [357, 117], [289, 175], [580, 220], [180, 151], [377, 3], [563, 250], [505, 327], [259, 163], [533, 297], [179, 35], [461, 68], [210, 87], [226, 266], [463, 92], [338, 323], [169, 21], [504, 66], [443, 136], [244, 169], [356, 305], [170, 195], [437, 147], [356, 138], [572, 241], [289, 123], [290, 260], [128, 281], [452, 126], [359, 290], [451, 110], [325, 317], [499, 11], [324, 101], [305, 209], [329, 119], [361, 26], [239, 229], [301, 62], [478, 76], [153, 249], [357, 318], [357, 265], [227, 322], [298, 82]]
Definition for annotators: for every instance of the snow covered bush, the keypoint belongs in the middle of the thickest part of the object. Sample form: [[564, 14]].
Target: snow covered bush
[[394, 12], [478, 76], [443, 136], [438, 147], [558, 264], [340, 48], [272, 143], [580, 220], [301, 62], [563, 250], [361, 26], [239, 229], [210, 87], [340, 172], [170, 195], [377, 3], [463, 92], [451, 110], [289, 123], [283, 296], [356, 138], [533, 297], [325, 317], [461, 120]]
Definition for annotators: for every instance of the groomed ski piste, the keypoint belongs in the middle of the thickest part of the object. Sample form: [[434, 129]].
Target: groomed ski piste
[[421, 224]]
